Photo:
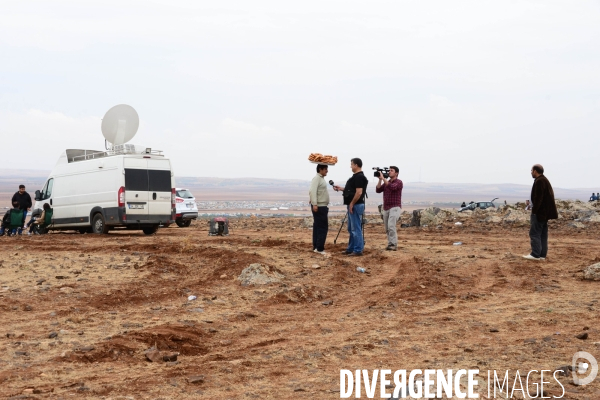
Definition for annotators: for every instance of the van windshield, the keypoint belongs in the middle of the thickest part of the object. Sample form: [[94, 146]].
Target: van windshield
[[185, 194]]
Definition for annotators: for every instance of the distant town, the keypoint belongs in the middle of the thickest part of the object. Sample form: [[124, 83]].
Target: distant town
[[248, 208]]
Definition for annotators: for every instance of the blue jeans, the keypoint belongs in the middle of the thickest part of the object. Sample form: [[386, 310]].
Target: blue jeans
[[24, 218], [356, 243], [9, 232]]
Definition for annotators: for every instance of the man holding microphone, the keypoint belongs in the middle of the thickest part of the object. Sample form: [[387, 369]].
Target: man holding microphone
[[354, 194], [392, 205]]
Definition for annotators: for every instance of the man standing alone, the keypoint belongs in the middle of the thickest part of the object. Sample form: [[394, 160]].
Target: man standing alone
[[24, 200], [392, 205], [544, 209], [319, 200]]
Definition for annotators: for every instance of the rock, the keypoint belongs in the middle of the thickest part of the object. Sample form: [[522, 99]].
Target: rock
[[258, 274], [592, 273], [307, 222], [153, 355], [27, 308], [564, 370], [327, 302], [195, 379], [493, 219], [434, 216], [494, 330], [530, 341], [582, 336], [576, 224], [170, 357], [316, 266], [126, 259], [595, 217], [516, 216], [52, 335], [86, 349]]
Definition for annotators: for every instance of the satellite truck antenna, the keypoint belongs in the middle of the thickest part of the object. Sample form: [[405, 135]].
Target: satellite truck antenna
[[120, 124]]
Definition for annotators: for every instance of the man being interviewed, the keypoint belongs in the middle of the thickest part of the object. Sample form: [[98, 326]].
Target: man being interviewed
[[392, 205], [319, 200], [544, 209], [354, 198]]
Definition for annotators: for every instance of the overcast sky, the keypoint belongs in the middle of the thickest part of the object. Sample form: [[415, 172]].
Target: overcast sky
[[449, 91]]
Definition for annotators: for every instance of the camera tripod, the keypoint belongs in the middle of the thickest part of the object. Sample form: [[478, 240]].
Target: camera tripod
[[362, 226]]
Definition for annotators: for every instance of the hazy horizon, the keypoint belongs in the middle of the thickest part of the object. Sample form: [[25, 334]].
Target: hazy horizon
[[249, 188]]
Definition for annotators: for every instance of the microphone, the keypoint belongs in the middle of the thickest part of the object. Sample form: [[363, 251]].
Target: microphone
[[331, 182]]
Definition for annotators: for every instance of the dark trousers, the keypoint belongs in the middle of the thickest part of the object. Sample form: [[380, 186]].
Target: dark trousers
[[320, 227], [538, 235]]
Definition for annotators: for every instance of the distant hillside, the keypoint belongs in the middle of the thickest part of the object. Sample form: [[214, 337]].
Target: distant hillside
[[208, 188]]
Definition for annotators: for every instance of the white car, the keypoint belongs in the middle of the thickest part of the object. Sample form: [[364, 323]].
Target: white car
[[186, 208]]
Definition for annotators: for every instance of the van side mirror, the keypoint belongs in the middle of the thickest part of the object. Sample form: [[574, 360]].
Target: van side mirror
[[38, 195]]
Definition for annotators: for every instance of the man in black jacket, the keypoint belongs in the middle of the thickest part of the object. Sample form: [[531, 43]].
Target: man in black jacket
[[24, 200], [544, 209]]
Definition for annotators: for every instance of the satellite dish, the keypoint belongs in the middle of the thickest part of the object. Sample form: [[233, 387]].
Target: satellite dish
[[120, 124]]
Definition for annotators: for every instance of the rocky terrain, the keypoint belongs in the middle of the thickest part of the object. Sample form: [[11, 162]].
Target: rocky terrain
[[257, 315]]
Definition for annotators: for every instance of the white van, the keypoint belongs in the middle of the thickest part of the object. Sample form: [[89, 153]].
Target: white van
[[97, 191]]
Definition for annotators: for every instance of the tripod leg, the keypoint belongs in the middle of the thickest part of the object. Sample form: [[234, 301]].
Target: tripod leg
[[341, 226], [362, 220]]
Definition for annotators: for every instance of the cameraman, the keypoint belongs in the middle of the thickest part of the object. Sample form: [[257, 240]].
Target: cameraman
[[392, 205], [354, 197]]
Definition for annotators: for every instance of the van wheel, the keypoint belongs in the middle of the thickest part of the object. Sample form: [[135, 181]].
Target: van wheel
[[183, 223], [151, 230], [99, 225]]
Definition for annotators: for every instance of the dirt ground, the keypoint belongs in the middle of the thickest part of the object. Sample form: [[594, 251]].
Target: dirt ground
[[78, 312]]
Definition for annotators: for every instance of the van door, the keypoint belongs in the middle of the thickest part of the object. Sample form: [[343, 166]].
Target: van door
[[45, 196], [159, 193], [136, 189]]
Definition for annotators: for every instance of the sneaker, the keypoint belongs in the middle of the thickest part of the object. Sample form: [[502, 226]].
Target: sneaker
[[359, 254], [321, 252], [543, 258], [530, 257], [391, 248], [346, 252]]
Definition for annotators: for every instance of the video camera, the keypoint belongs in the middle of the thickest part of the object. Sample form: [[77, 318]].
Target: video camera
[[384, 171]]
